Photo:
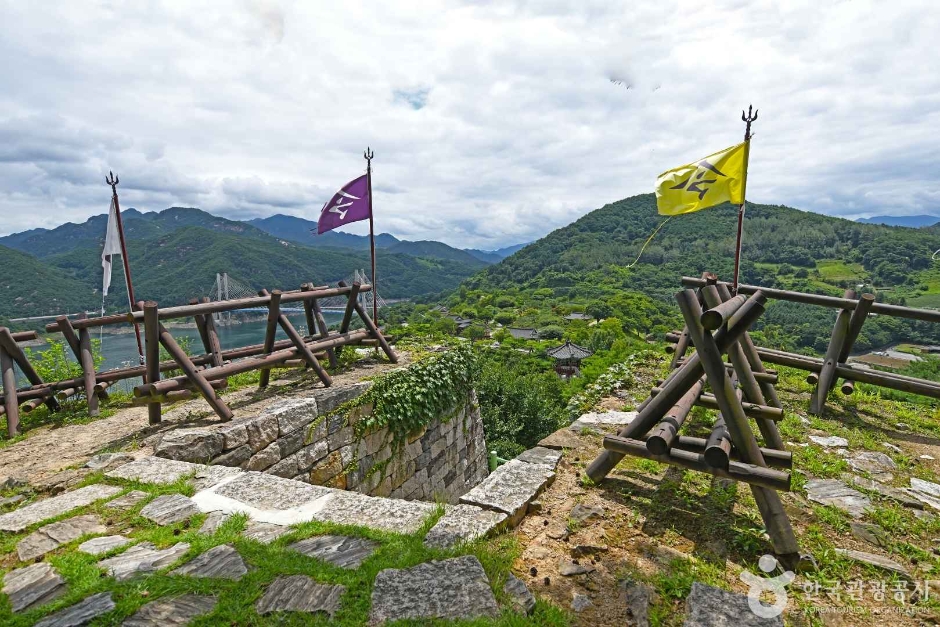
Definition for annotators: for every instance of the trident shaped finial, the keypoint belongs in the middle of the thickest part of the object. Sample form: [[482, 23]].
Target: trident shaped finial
[[111, 179], [747, 119], [368, 154]]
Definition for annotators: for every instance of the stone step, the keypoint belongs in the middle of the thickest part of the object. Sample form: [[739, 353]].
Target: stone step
[[510, 489], [169, 509], [54, 535], [33, 586], [82, 613], [463, 523], [143, 558], [219, 562], [171, 611], [299, 593], [24, 517], [343, 551]]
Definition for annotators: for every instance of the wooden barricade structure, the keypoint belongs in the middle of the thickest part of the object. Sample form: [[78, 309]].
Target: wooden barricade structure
[[203, 374], [739, 389], [852, 311]]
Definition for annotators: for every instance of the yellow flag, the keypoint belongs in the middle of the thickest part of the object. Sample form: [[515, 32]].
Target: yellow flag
[[717, 178]]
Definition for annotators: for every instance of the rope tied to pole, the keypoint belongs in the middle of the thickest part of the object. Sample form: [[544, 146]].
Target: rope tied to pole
[[648, 240]]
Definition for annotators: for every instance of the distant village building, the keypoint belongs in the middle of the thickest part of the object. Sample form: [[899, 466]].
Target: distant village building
[[523, 334], [578, 316], [568, 358], [462, 323]]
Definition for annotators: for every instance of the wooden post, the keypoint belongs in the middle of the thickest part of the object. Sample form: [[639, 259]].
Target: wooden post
[[215, 346], [308, 312], [324, 331], [274, 310], [682, 345], [859, 315], [350, 307], [718, 445], [768, 501], [662, 437], [827, 375], [88, 371], [152, 355], [10, 401], [194, 376], [302, 347]]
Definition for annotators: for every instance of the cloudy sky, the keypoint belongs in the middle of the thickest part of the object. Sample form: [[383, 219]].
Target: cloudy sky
[[491, 123]]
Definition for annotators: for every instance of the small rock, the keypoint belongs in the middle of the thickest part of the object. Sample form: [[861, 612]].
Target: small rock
[[169, 509], [213, 522], [220, 562], [582, 513], [902, 426], [520, 597], [171, 611], [583, 550], [343, 551], [877, 464], [637, 597], [872, 534], [12, 500], [299, 593], [106, 461], [81, 613], [580, 602], [265, 533], [8, 482], [557, 531], [876, 560], [127, 501], [894, 448], [567, 568], [535, 507], [928, 458], [97, 546], [832, 441], [536, 552], [32, 586]]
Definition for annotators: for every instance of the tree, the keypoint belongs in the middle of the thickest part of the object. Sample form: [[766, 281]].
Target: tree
[[599, 310]]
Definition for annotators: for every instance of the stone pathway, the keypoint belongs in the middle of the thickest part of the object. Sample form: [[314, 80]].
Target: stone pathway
[[54, 535], [20, 519], [510, 488], [99, 546], [837, 494], [140, 559], [449, 589], [33, 586], [220, 562], [169, 509], [127, 501], [171, 611], [713, 607], [299, 593], [265, 533], [463, 523], [81, 613], [342, 551]]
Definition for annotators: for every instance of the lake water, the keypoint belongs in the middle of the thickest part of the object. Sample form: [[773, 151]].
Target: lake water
[[121, 349]]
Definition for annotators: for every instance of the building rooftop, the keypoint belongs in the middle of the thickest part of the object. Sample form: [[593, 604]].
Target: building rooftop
[[569, 351]]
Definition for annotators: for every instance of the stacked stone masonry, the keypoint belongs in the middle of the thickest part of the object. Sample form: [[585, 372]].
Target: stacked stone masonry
[[307, 440]]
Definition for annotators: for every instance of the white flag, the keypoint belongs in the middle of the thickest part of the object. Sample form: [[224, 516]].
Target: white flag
[[112, 246]]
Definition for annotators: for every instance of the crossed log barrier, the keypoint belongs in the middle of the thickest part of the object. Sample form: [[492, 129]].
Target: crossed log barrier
[[203, 374], [716, 324]]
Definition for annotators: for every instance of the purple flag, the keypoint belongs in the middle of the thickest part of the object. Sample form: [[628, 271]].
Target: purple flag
[[349, 204]]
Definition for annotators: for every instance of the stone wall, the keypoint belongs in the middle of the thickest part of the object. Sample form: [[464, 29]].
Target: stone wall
[[297, 438]]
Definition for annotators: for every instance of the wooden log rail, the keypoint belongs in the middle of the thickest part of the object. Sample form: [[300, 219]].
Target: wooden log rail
[[202, 374]]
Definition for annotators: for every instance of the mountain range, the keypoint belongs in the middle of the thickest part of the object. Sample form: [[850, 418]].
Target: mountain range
[[176, 253], [908, 221]]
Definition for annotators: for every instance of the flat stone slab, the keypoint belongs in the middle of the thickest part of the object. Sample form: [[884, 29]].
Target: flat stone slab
[[519, 595], [213, 522], [299, 593], [33, 586], [171, 611], [20, 519], [707, 606], [884, 490], [12, 500], [265, 533], [561, 439], [837, 494], [209, 476], [108, 460], [343, 551], [54, 535], [264, 491], [637, 597], [127, 501], [81, 613], [832, 441], [462, 523], [97, 546], [451, 589], [142, 558], [610, 418], [879, 465], [190, 445], [925, 487], [510, 489], [877, 561], [352, 508], [169, 509], [219, 562], [155, 470], [540, 455]]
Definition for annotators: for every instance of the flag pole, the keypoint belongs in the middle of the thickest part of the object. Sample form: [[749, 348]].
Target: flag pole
[[747, 119], [113, 182], [367, 155]]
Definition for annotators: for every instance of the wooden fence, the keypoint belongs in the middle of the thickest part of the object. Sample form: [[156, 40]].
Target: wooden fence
[[203, 374], [853, 309]]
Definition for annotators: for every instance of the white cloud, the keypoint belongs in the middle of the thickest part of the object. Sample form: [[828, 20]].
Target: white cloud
[[491, 123]]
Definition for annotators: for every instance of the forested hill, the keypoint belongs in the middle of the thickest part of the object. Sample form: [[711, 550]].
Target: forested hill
[[778, 242], [585, 267]]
